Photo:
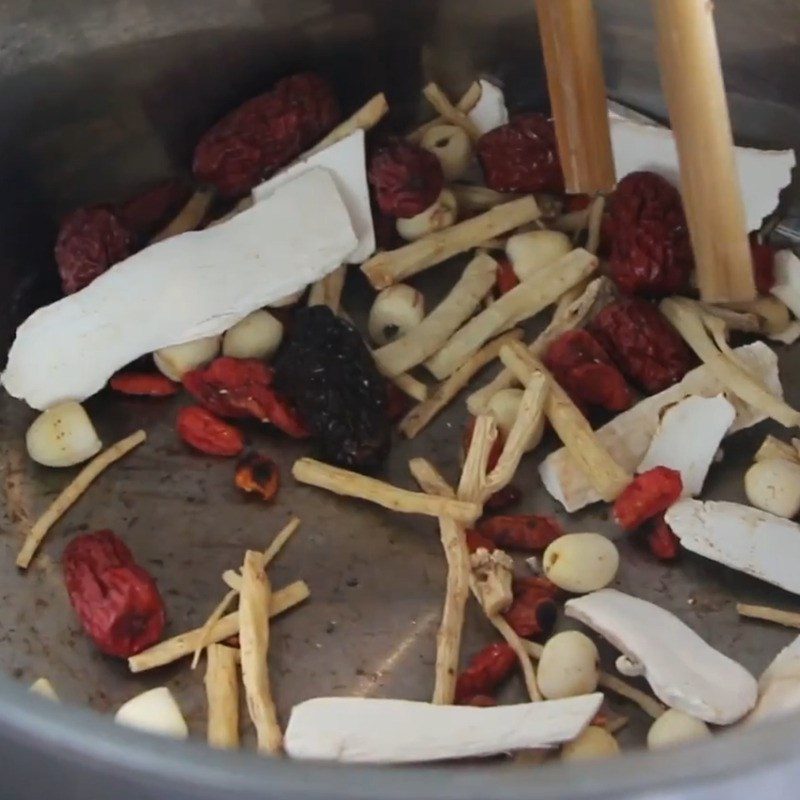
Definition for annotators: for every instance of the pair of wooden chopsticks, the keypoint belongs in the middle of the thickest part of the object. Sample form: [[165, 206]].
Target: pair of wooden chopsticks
[[691, 75]]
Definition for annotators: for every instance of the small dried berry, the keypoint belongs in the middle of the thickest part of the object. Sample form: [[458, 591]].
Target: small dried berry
[[257, 474], [533, 610], [485, 671], [651, 253], [326, 370], [203, 431], [407, 179], [763, 264], [90, 241], [522, 156], [476, 541], [504, 499], [506, 277], [143, 384], [647, 496], [663, 542], [583, 368], [643, 344], [526, 532]]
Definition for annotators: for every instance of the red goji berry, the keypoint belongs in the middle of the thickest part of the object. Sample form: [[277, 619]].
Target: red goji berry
[[258, 474], [651, 253], [485, 671], [647, 496], [143, 384], [585, 371], [528, 532], [116, 600], [406, 178], [763, 264], [506, 277], [534, 609], [522, 156], [643, 344], [207, 433], [662, 541]]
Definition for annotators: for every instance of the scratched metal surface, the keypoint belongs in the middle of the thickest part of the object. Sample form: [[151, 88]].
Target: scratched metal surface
[[129, 89]]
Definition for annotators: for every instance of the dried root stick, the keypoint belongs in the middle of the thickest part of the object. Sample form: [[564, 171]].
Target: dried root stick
[[254, 641], [441, 103], [189, 217], [222, 695], [468, 101], [607, 477], [352, 484], [390, 267], [328, 290], [421, 415], [72, 493], [473, 476], [789, 619]]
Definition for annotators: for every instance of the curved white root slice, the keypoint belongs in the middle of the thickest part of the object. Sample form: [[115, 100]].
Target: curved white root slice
[[490, 112], [188, 287], [683, 671], [628, 435], [154, 711], [779, 686], [372, 731], [688, 438], [744, 538]]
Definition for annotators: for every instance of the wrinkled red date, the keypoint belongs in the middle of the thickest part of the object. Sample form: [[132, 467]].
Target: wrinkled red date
[[150, 210], [264, 134], [480, 701], [522, 156], [200, 429], [647, 496], [240, 388], [651, 253], [505, 498], [527, 532], [406, 179], [663, 542], [583, 368], [116, 600], [90, 240], [143, 384], [485, 672], [643, 343]]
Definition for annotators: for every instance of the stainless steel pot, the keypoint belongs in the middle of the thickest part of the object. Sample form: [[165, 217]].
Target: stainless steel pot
[[101, 96]]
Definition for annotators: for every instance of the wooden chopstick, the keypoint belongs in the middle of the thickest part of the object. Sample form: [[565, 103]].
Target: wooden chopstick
[[575, 78], [691, 75]]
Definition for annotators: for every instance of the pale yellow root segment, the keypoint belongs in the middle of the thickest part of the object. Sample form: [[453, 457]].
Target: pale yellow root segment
[[574, 430], [789, 619], [423, 414], [189, 217], [185, 643], [447, 111], [213, 618], [328, 290], [352, 484], [72, 492], [222, 696], [254, 603], [467, 102]]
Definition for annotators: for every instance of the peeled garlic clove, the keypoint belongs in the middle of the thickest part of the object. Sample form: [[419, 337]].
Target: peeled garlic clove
[[258, 335], [581, 562], [44, 688], [594, 743], [154, 711], [531, 251], [442, 214], [569, 666], [62, 436], [395, 312], [675, 727], [176, 361], [504, 407], [451, 145], [773, 485]]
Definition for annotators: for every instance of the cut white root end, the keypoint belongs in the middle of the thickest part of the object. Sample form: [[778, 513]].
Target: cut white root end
[[773, 485], [674, 728], [258, 335], [62, 436], [536, 250], [451, 145], [395, 313], [176, 361], [156, 712], [371, 731], [442, 214], [581, 562]]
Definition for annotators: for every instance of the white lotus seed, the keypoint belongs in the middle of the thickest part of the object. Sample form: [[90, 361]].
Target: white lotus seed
[[258, 335], [62, 436], [593, 743], [504, 407], [569, 666], [451, 145], [674, 727], [442, 214], [773, 485], [395, 312], [176, 361], [530, 252], [581, 562]]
